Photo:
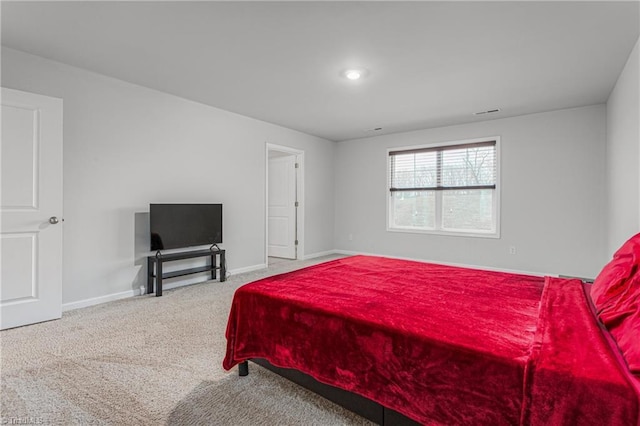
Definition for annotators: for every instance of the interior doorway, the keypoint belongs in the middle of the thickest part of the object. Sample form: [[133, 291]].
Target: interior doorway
[[284, 236]]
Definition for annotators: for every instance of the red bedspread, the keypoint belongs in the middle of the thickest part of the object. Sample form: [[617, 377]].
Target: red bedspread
[[440, 344]]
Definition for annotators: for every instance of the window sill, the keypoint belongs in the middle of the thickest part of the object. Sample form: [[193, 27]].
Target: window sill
[[493, 235]]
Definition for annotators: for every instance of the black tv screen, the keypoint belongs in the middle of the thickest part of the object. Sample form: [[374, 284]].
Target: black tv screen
[[184, 225]]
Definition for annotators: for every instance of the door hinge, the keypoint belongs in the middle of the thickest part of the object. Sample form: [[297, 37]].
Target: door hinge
[[297, 165], [296, 242], [296, 204]]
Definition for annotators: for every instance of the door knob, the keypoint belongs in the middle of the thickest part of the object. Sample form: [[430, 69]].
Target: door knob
[[53, 220]]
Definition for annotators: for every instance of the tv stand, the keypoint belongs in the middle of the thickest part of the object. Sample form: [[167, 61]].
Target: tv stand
[[159, 259]]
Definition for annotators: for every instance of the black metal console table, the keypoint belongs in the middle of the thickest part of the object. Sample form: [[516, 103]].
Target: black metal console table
[[155, 265]]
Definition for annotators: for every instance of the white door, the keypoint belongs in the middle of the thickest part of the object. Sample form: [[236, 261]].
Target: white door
[[30, 206], [282, 207]]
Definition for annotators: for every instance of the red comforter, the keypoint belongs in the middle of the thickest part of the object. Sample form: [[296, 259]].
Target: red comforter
[[439, 344]]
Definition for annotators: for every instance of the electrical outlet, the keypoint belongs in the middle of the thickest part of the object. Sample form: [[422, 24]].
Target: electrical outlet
[[350, 237], [512, 250]]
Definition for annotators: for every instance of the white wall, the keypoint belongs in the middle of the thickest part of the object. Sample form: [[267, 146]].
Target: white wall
[[623, 156], [552, 178], [126, 146]]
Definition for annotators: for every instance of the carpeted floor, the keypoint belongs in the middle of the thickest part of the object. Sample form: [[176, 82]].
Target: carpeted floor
[[149, 361]]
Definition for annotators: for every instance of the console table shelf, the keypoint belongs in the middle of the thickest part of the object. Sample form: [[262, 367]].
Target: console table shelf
[[155, 266]]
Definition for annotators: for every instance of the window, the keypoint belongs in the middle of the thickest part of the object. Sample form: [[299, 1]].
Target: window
[[445, 189]]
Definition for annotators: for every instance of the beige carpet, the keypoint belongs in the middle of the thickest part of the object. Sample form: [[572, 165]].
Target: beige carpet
[[149, 361]]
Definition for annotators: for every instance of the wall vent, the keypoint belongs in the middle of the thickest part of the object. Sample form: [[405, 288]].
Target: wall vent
[[490, 111]]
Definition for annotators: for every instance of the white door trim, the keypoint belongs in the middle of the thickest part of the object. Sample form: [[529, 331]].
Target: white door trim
[[299, 193]]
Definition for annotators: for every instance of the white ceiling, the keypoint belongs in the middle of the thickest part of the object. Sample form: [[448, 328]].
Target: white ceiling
[[430, 63]]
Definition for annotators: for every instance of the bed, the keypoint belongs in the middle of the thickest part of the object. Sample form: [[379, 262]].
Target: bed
[[444, 345]]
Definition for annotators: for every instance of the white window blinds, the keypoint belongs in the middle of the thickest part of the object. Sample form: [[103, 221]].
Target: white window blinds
[[453, 167]]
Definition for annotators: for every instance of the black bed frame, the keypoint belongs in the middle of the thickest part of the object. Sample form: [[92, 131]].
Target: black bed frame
[[358, 404]]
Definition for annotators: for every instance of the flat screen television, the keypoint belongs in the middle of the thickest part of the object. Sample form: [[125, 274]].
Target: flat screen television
[[184, 225]]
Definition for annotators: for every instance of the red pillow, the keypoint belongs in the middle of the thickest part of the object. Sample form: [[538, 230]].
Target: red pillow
[[610, 284], [616, 295], [623, 322]]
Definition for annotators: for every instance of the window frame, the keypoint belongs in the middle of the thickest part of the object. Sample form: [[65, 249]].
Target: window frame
[[438, 193]]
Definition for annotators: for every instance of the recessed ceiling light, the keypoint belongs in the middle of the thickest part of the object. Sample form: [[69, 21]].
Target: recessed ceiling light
[[354, 74]]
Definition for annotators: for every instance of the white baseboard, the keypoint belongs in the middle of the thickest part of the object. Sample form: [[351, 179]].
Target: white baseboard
[[319, 254], [247, 269], [353, 253], [99, 300], [439, 262], [131, 293]]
